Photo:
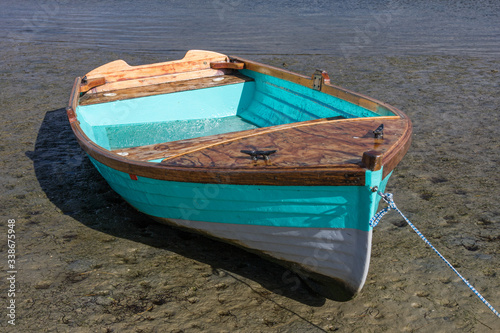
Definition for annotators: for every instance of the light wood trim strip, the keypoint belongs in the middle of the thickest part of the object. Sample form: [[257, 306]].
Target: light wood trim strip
[[153, 80]]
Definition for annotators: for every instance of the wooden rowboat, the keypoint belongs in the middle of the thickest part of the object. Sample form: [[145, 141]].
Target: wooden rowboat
[[281, 164]]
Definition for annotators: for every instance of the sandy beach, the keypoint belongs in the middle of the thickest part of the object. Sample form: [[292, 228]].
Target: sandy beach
[[88, 262]]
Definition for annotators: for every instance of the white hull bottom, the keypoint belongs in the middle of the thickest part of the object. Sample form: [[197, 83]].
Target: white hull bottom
[[333, 262]]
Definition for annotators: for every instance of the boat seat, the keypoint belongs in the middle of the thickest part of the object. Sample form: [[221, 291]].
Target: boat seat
[[163, 88]]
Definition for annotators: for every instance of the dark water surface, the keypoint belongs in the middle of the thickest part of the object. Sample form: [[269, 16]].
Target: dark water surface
[[346, 28], [88, 262]]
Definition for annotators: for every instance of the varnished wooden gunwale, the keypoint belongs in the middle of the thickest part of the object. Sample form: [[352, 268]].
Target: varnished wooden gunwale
[[73, 101], [394, 155], [333, 175]]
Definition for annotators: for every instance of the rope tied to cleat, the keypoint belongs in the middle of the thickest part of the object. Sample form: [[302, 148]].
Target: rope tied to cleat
[[388, 198]]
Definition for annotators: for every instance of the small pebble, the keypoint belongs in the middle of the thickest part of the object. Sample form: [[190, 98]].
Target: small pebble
[[224, 313], [422, 294], [43, 284], [331, 328], [221, 286], [193, 300], [101, 300], [445, 280]]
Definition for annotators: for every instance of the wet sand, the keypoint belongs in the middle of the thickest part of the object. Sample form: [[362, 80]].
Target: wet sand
[[88, 262]]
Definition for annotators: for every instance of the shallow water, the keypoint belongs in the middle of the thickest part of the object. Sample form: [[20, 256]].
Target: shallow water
[[347, 28], [88, 262]]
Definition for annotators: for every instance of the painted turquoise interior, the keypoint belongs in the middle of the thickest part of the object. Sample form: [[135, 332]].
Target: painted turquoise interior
[[266, 101], [280, 206]]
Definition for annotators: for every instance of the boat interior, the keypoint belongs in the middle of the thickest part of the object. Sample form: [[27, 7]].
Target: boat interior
[[237, 101]]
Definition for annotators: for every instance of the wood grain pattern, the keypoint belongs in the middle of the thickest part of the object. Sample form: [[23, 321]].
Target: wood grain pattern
[[91, 83], [328, 152], [333, 176], [178, 148], [227, 64], [119, 75], [163, 88], [146, 81], [119, 70], [322, 145]]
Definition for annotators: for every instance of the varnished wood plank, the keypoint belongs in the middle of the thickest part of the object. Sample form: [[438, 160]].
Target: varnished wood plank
[[163, 88], [227, 64], [88, 84], [323, 145], [119, 70], [147, 81], [340, 175], [181, 147], [177, 148]]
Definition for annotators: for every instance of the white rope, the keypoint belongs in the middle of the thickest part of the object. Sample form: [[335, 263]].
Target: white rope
[[391, 205]]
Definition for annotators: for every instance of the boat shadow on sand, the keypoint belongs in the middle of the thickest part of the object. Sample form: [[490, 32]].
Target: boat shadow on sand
[[71, 183]]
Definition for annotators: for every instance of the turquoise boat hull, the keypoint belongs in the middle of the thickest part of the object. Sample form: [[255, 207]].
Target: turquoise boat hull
[[313, 230]]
